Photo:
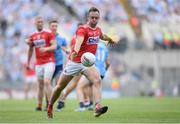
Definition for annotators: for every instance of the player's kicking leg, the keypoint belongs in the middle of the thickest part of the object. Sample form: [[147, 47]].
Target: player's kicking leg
[[93, 75], [61, 84]]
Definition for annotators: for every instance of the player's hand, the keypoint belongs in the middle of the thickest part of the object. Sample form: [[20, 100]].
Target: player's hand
[[67, 51], [43, 49], [28, 67], [112, 43], [27, 41], [73, 55]]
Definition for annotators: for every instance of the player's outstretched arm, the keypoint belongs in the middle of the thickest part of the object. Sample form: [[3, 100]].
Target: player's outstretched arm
[[107, 38], [79, 41]]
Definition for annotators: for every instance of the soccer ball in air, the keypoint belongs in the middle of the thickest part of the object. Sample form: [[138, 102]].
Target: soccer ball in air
[[88, 59]]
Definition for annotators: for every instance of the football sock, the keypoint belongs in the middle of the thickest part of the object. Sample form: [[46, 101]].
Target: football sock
[[81, 104]]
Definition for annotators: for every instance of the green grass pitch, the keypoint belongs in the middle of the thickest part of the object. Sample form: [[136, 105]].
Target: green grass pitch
[[122, 110]]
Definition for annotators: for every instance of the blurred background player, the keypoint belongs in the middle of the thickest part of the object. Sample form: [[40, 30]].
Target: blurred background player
[[30, 80], [44, 44], [87, 38], [61, 46]]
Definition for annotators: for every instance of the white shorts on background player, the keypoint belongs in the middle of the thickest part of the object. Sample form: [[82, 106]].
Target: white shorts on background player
[[45, 71], [30, 79]]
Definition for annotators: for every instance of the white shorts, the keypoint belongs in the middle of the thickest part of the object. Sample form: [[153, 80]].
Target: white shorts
[[73, 68], [45, 71], [30, 79]]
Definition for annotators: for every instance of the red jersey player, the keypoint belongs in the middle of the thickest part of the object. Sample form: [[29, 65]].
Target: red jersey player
[[30, 79], [44, 44], [87, 38]]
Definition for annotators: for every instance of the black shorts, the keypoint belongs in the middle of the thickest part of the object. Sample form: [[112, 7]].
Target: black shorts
[[58, 70]]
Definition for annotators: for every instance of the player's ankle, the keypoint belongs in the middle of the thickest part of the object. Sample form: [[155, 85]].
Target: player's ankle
[[81, 104], [39, 105], [91, 103], [97, 105], [61, 102]]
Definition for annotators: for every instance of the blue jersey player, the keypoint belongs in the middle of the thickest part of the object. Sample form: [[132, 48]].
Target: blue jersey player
[[102, 61]]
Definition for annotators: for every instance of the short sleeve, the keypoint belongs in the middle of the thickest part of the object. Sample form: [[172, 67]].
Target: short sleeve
[[81, 31], [30, 41]]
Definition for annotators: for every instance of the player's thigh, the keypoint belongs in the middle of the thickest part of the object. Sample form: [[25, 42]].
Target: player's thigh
[[73, 68], [73, 83], [39, 72], [49, 69], [92, 74], [64, 80], [40, 76]]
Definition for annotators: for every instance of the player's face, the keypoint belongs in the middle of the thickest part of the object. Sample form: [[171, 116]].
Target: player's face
[[93, 18], [39, 24], [53, 27]]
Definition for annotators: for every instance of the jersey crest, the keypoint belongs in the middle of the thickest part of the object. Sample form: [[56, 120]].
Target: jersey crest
[[93, 40]]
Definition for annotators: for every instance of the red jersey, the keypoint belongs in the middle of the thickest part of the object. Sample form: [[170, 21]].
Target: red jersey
[[42, 39], [91, 39]]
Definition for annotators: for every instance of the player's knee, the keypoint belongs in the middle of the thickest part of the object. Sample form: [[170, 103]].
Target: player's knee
[[41, 85], [47, 82], [97, 81], [79, 88]]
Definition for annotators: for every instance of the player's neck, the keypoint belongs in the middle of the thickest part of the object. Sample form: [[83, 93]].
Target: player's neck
[[39, 30], [91, 26]]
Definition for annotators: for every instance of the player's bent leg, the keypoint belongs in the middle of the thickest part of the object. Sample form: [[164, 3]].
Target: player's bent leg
[[93, 75], [61, 84]]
